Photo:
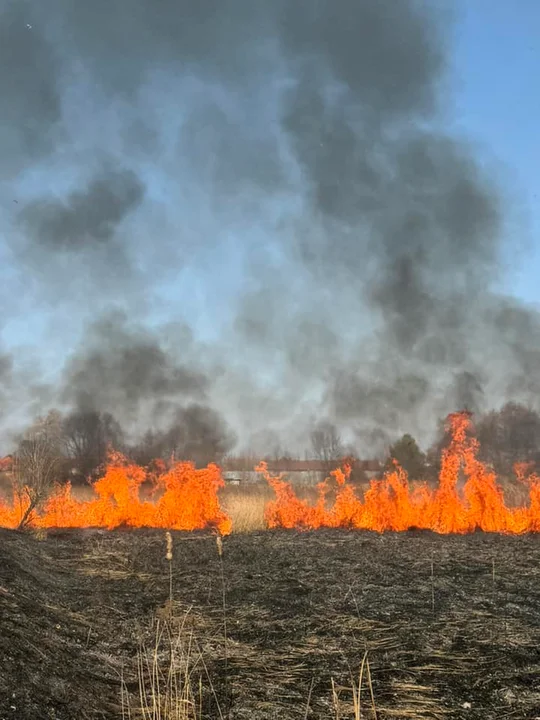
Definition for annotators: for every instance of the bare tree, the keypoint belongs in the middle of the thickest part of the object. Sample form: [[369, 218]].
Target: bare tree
[[509, 435], [87, 437], [326, 443], [198, 433], [37, 463]]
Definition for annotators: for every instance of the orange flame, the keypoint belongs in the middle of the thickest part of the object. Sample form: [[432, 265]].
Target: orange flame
[[468, 498], [188, 500], [393, 504]]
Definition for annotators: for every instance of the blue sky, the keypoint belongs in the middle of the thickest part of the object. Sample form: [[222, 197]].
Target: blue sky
[[496, 66]]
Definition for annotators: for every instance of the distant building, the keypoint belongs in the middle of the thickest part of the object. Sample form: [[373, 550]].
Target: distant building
[[237, 471]]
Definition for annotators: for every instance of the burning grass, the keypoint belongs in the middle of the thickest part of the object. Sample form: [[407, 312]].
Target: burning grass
[[395, 504], [186, 498], [469, 497]]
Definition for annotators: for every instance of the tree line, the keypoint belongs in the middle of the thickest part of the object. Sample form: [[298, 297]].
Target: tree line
[[75, 446], [506, 436]]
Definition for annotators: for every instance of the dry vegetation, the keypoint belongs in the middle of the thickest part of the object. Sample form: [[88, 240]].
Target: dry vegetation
[[245, 505], [278, 626]]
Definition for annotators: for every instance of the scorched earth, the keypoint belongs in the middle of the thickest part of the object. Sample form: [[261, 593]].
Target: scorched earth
[[450, 623]]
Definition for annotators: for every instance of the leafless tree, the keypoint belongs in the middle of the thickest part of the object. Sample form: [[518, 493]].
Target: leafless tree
[[87, 437], [509, 435], [326, 443], [37, 463]]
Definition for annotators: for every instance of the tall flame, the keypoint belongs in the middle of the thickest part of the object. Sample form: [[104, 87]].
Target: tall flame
[[393, 504], [186, 498]]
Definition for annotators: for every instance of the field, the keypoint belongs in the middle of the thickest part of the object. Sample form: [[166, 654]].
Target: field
[[450, 624]]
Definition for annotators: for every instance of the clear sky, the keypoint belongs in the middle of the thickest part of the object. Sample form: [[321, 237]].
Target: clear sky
[[497, 102]]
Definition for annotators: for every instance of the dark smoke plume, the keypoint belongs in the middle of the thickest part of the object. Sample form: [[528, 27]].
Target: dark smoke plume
[[124, 370], [196, 432], [278, 177]]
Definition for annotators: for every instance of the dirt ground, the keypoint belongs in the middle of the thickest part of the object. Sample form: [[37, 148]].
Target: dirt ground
[[451, 624]]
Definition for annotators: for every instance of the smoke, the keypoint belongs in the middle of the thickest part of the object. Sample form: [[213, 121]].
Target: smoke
[[6, 365], [277, 177], [125, 370], [199, 433], [31, 97], [86, 218]]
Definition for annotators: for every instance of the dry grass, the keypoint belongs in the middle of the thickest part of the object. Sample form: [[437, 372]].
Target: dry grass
[[515, 494], [6, 487], [245, 505], [169, 669], [169, 676]]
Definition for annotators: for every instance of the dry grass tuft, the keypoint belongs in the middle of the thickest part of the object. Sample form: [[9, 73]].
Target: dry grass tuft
[[169, 677], [355, 706]]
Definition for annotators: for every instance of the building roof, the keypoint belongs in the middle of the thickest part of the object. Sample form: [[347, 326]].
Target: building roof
[[287, 465]]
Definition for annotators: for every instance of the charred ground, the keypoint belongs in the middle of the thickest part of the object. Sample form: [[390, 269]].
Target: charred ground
[[452, 623]]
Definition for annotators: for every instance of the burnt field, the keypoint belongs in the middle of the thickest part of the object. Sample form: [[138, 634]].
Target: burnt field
[[451, 623]]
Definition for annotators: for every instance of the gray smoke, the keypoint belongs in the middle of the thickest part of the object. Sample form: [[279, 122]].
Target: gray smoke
[[86, 217], [29, 87], [278, 177], [6, 366], [199, 433], [125, 370]]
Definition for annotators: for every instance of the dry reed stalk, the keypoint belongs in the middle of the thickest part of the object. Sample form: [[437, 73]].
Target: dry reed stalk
[[167, 688], [364, 677], [219, 545], [335, 699], [370, 686], [494, 599], [432, 586], [169, 558], [309, 698]]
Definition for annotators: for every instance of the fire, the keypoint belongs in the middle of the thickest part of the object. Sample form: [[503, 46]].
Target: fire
[[185, 498], [182, 497], [394, 504]]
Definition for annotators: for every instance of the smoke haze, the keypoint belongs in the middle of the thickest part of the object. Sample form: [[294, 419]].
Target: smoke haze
[[249, 215]]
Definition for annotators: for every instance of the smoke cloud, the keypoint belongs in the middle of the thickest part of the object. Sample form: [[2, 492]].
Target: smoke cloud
[[124, 370], [276, 177], [31, 96], [87, 217]]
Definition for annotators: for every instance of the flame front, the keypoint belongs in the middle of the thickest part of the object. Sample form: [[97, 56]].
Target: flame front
[[468, 498], [186, 498], [394, 504]]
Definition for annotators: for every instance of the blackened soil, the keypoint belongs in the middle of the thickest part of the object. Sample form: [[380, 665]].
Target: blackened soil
[[451, 625]]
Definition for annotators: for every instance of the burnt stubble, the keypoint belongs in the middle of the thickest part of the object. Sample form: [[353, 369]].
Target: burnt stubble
[[451, 624]]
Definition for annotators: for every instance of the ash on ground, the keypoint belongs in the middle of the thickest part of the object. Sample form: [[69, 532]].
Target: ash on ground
[[450, 624]]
